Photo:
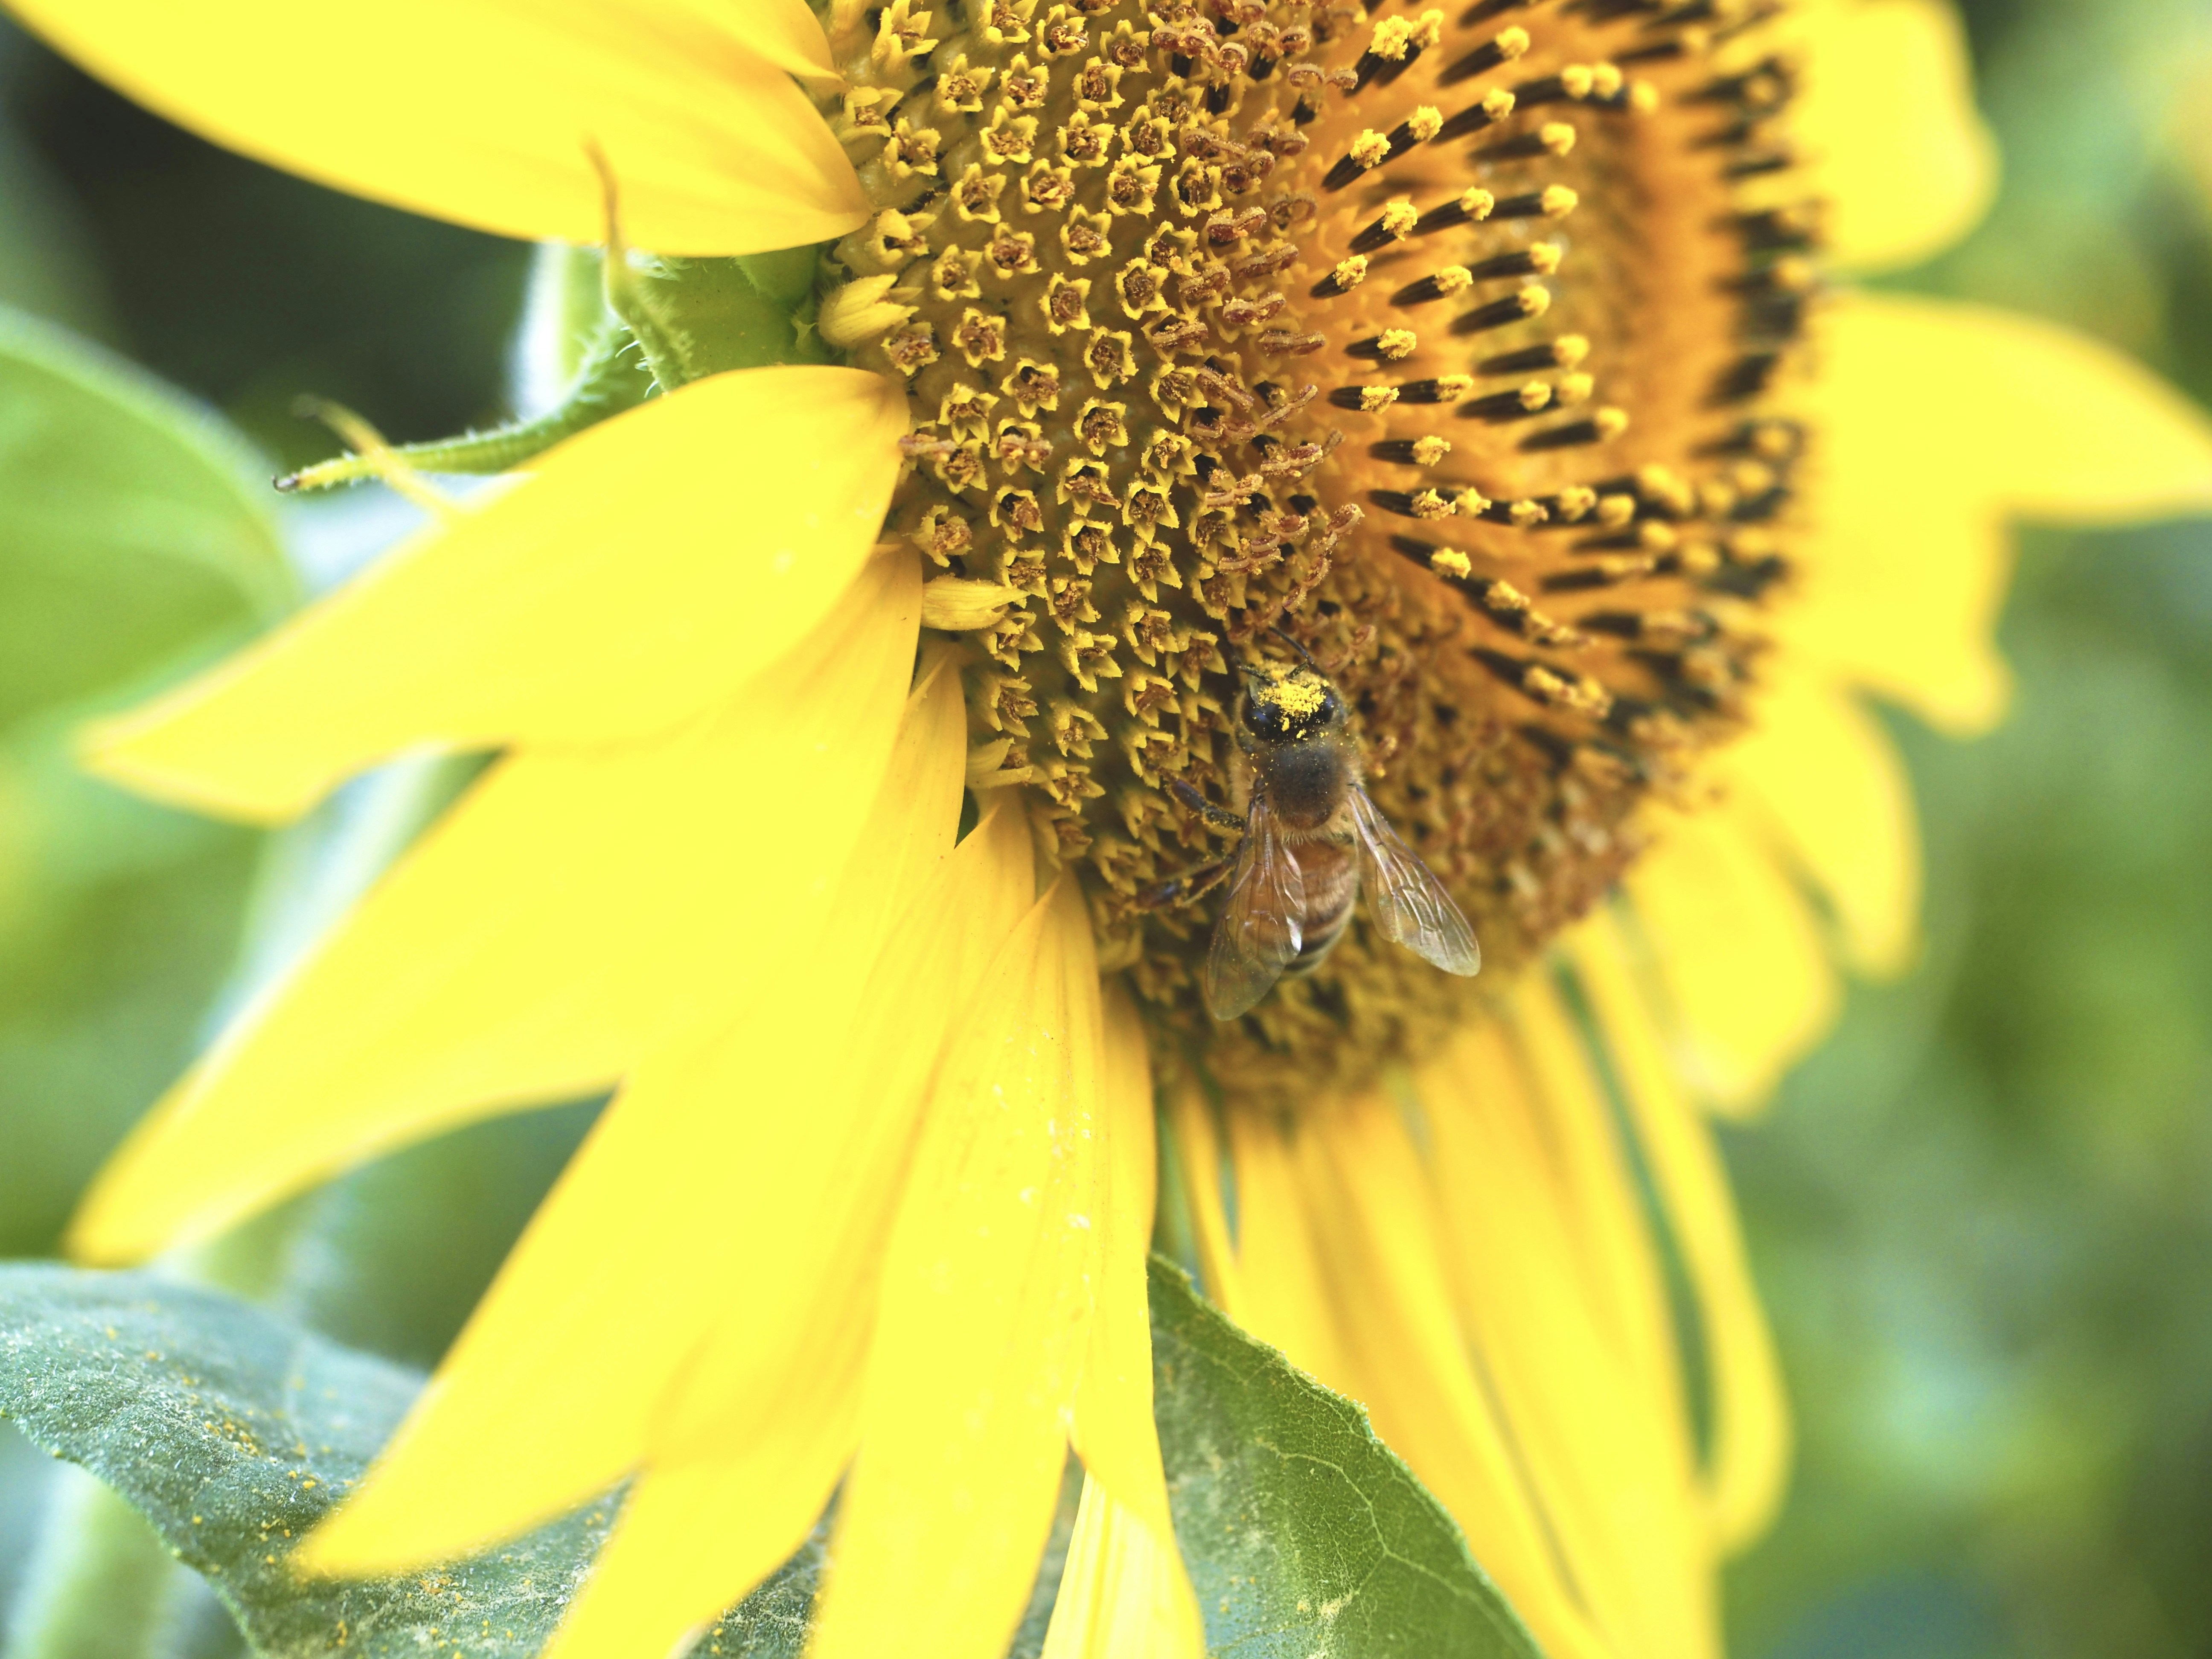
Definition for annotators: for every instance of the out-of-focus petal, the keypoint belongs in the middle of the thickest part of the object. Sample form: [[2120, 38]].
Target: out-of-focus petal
[[1817, 770], [1737, 956], [986, 1316], [655, 563], [1885, 114], [572, 911], [1122, 1594], [1748, 1466], [1938, 423], [1383, 1253], [485, 112]]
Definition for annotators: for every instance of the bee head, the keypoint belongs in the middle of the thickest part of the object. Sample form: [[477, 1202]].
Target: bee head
[[1288, 704]]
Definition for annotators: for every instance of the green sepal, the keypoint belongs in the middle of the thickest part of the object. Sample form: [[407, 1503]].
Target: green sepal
[[612, 379], [693, 318]]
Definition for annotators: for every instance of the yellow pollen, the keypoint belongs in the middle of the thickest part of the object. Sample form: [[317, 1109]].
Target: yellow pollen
[[1370, 149], [1610, 422], [1298, 692], [1534, 301], [1576, 502], [1559, 201], [1424, 123], [1570, 349], [1451, 279], [1574, 389], [1394, 344], [1545, 256], [1428, 451], [1614, 511], [1450, 561], [1576, 79], [1643, 97], [1511, 42], [1450, 388], [1400, 215], [1533, 396], [1497, 103], [1374, 397], [1349, 273], [1605, 80]]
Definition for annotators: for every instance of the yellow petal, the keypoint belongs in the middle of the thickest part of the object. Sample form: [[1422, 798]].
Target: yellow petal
[[1885, 114], [1749, 1462], [532, 947], [985, 1314], [651, 1243], [1825, 782], [1115, 1434], [1938, 422], [1122, 1594], [1285, 1298], [1199, 1149], [695, 1537], [484, 112], [1383, 1254], [1612, 1242], [1605, 1454], [1739, 960], [654, 564]]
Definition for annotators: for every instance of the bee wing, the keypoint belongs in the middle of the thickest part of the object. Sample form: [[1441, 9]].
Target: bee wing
[[1409, 904], [1259, 931]]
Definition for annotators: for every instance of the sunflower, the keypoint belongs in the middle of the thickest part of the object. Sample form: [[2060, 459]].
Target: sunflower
[[864, 703]]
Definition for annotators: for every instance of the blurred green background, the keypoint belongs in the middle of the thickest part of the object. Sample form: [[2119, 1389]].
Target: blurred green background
[[1982, 1213]]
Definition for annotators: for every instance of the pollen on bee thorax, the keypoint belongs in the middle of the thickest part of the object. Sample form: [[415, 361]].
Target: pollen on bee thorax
[[1446, 344]]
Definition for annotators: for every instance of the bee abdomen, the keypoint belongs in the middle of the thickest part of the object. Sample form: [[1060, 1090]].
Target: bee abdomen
[[1332, 886], [1321, 934]]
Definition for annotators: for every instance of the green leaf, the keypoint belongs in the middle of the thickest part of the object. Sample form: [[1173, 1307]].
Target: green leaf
[[1302, 1532], [135, 540], [233, 1432], [133, 526]]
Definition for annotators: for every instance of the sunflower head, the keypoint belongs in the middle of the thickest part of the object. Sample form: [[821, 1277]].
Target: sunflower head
[[1438, 342]]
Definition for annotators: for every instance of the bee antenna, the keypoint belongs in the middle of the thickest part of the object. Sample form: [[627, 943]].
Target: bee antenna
[[1305, 655]]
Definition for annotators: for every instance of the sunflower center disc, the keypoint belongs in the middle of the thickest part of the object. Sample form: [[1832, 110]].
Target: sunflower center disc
[[1436, 340]]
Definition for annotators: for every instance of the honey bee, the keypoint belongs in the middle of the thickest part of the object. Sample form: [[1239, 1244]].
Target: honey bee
[[1311, 839]]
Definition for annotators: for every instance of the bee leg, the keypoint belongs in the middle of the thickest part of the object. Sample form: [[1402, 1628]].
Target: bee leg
[[1184, 888], [1220, 819]]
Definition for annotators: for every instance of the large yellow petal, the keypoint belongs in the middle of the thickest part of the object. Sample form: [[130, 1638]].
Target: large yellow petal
[[1938, 423], [485, 112], [1739, 961], [1885, 114], [1122, 1594], [651, 1244], [987, 1310], [655, 563], [1749, 1464], [1823, 778], [570, 911]]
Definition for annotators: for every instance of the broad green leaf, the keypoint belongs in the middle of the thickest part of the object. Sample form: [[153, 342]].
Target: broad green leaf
[[233, 1431], [133, 527], [135, 540], [1304, 1534]]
